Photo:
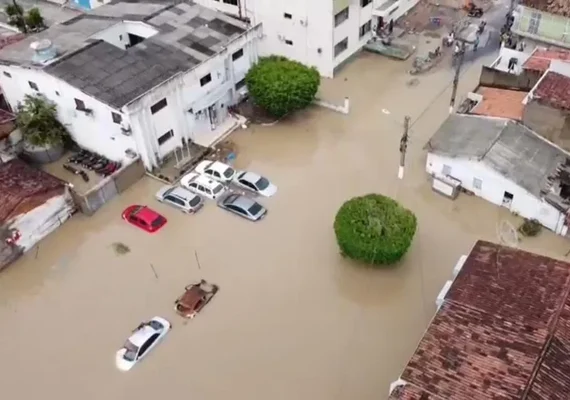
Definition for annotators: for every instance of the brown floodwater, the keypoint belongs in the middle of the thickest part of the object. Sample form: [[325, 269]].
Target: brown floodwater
[[293, 320]]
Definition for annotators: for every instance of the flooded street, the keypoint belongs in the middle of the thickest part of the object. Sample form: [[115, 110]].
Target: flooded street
[[292, 320]]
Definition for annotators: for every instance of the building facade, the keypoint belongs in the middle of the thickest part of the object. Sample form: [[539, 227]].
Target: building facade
[[319, 33], [544, 20], [149, 86]]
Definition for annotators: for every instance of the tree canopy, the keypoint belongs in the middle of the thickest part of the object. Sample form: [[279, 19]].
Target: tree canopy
[[37, 119], [281, 86], [374, 229]]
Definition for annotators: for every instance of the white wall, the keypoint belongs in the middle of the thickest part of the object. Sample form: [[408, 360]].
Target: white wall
[[493, 187], [311, 29], [96, 132], [118, 34], [42, 220], [396, 10], [183, 93]]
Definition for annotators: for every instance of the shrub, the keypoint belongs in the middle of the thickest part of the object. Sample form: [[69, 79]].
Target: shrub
[[34, 19], [281, 86], [37, 120], [374, 229], [530, 227]]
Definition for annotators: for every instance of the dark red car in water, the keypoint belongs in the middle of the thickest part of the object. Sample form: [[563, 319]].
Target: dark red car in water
[[144, 218]]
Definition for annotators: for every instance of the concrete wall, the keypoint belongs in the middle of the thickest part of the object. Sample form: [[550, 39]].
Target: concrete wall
[[550, 123], [493, 188], [553, 29], [504, 80], [95, 131]]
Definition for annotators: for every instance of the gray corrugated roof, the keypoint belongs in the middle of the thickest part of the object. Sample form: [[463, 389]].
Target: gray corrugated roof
[[465, 136], [188, 35], [507, 147]]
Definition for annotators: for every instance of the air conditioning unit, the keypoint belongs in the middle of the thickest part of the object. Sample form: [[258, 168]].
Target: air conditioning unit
[[125, 129]]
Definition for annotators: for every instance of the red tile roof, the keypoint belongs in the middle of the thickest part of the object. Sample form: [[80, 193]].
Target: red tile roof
[[503, 331], [557, 7], [500, 103], [23, 188], [553, 90], [410, 392], [541, 58]]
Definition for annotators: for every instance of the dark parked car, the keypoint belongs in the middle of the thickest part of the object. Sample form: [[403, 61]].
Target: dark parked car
[[243, 206]]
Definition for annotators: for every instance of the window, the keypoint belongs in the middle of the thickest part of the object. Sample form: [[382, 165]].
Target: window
[[116, 118], [232, 2], [164, 138], [287, 16], [238, 54], [57, 93], [340, 46], [477, 183], [341, 16], [364, 29], [175, 200], [446, 170], [79, 105], [289, 42], [205, 80], [158, 106], [240, 84], [534, 23], [7, 74], [364, 3], [146, 345], [33, 86]]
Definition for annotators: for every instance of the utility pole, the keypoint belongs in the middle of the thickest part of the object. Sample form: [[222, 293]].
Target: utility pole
[[459, 61], [404, 147]]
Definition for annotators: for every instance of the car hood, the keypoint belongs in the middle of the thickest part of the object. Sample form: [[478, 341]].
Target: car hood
[[269, 190], [160, 194], [121, 363]]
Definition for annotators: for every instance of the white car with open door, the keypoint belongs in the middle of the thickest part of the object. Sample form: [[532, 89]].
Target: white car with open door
[[141, 342]]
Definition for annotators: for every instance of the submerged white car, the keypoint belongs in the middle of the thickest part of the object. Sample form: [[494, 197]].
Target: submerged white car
[[202, 185], [255, 183], [216, 170], [144, 338]]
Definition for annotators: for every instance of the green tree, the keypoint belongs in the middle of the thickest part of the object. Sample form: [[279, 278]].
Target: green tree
[[281, 86], [37, 120], [16, 16], [34, 19], [374, 229]]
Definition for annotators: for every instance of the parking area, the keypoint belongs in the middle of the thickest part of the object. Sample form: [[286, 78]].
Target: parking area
[[292, 319]]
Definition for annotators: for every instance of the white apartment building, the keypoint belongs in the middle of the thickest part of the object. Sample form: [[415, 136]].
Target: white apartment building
[[137, 77], [319, 33]]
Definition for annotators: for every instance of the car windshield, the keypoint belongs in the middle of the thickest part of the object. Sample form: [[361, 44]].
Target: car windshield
[[158, 221], [136, 210], [194, 202], [229, 172], [218, 189], [255, 209], [262, 183], [131, 351]]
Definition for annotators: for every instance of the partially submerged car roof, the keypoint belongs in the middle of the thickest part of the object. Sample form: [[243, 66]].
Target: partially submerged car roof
[[146, 214], [191, 296], [240, 201]]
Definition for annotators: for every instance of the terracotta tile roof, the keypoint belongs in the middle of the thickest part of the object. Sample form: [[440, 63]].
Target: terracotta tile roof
[[23, 188], [500, 103], [503, 332], [410, 392], [541, 58], [557, 7], [553, 90]]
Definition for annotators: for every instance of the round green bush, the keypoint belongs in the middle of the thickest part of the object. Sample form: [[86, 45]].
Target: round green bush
[[374, 229], [281, 86]]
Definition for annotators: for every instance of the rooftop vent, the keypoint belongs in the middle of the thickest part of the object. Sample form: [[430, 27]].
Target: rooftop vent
[[43, 51]]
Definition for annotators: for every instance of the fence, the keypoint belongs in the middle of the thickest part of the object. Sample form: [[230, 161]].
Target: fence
[[108, 188]]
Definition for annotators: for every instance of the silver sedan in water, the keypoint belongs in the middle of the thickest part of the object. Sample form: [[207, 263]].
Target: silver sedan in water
[[181, 198], [243, 206]]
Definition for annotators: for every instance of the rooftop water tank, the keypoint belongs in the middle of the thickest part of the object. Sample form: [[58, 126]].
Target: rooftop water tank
[[44, 51]]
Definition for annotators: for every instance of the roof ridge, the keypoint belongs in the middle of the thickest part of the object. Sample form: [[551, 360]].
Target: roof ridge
[[495, 140], [547, 343]]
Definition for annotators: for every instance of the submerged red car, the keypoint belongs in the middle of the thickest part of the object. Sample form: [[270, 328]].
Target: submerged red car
[[144, 218]]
